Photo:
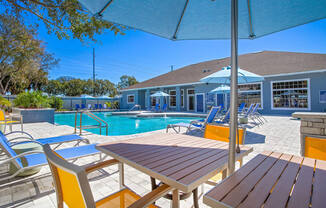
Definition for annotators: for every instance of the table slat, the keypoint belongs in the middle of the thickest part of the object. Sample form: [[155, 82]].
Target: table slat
[[319, 187], [302, 190], [257, 197], [281, 191]]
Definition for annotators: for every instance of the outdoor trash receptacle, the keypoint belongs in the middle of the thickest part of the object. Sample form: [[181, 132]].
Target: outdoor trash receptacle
[[25, 147], [243, 120]]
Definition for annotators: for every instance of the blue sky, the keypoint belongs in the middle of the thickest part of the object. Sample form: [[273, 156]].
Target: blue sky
[[144, 55]]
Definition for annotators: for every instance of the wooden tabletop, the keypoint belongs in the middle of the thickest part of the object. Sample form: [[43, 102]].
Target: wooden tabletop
[[181, 161], [273, 179]]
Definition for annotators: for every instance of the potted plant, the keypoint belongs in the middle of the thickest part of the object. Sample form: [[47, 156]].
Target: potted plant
[[34, 107]]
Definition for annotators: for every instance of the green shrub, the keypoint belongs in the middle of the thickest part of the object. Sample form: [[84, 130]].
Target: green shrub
[[56, 103], [32, 100], [4, 103]]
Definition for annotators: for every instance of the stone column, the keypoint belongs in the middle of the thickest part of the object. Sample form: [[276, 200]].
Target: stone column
[[312, 124], [178, 100]]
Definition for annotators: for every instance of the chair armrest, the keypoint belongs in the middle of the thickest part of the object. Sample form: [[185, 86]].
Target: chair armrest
[[28, 141], [102, 164], [21, 132], [20, 155], [152, 196]]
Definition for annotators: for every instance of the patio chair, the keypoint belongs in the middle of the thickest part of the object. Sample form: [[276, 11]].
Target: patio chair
[[24, 137], [164, 108], [95, 106], [313, 146], [9, 120], [89, 107], [222, 133], [224, 119], [241, 108], [83, 106], [156, 108], [255, 116], [77, 107], [199, 124], [246, 112], [100, 106], [32, 159], [73, 189]]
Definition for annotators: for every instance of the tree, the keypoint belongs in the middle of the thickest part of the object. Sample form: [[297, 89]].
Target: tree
[[64, 18], [24, 61], [126, 81]]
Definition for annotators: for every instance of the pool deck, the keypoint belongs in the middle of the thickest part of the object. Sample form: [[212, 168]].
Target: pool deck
[[278, 134]]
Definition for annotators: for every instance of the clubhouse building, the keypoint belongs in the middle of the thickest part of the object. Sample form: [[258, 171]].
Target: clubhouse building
[[292, 82]]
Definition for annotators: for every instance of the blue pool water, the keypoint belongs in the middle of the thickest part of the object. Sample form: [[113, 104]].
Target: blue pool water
[[122, 125]]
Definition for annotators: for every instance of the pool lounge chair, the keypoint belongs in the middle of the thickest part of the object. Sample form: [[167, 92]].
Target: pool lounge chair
[[255, 116], [241, 108], [73, 189], [77, 107], [24, 137], [83, 106], [100, 106], [199, 124], [156, 108], [35, 159], [96, 106], [164, 108]]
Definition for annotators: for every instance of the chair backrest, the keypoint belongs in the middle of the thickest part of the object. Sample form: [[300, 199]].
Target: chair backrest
[[255, 109], [241, 107], [212, 114], [165, 106], [4, 145], [226, 117], [96, 106], [157, 107], [77, 106], [315, 147], [83, 106], [2, 115], [100, 106], [222, 133], [249, 109], [89, 106], [71, 183]]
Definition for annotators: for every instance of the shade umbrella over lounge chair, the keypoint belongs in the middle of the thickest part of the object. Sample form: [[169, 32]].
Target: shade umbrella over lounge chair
[[160, 94], [222, 89], [211, 19]]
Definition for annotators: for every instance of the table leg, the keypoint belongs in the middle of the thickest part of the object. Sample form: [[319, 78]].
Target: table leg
[[175, 199], [121, 176], [195, 195]]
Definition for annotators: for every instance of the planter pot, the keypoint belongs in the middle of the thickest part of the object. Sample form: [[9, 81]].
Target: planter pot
[[35, 115]]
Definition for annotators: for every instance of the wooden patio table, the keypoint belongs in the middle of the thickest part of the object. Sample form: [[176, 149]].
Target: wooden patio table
[[273, 179], [181, 161]]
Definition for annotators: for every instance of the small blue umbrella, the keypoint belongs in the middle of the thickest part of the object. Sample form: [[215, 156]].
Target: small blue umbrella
[[104, 97], [160, 94], [223, 76], [221, 89]]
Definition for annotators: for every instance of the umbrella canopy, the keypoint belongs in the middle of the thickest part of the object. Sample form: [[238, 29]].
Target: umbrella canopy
[[223, 76], [221, 89], [207, 19], [160, 94], [211, 19], [104, 97], [87, 97]]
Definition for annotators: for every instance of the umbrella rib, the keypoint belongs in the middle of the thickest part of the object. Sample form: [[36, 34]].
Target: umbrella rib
[[104, 8], [252, 35], [179, 22]]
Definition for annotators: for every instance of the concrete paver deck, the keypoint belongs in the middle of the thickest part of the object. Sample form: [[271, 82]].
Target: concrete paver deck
[[278, 134]]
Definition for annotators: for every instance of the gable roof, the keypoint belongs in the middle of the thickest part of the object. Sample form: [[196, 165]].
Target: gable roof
[[262, 63]]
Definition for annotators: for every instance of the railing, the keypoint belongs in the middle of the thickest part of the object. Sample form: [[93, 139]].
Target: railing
[[101, 122], [134, 107]]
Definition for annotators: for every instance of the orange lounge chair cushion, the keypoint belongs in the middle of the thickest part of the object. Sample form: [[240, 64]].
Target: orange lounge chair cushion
[[315, 148], [221, 133]]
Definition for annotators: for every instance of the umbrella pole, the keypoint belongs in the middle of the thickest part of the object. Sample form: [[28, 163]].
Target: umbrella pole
[[234, 86]]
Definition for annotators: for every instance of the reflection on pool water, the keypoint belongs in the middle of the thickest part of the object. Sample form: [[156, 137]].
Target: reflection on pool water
[[122, 125]]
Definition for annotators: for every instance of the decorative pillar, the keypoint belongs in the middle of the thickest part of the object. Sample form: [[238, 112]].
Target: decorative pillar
[[178, 98], [148, 99]]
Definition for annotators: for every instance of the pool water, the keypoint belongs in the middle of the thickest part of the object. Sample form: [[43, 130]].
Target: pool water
[[122, 125]]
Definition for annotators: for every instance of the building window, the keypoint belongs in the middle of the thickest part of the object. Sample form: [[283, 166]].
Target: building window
[[250, 94], [292, 94], [173, 98], [191, 92], [322, 96], [182, 98], [131, 99]]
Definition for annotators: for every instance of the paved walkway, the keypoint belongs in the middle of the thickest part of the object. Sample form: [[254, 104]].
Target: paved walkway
[[278, 134]]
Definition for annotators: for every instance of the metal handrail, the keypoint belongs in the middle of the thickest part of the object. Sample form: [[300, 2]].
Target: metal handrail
[[93, 116]]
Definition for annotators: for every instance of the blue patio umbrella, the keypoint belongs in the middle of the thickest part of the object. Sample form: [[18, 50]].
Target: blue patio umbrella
[[87, 97], [211, 19], [160, 94], [223, 76], [222, 89]]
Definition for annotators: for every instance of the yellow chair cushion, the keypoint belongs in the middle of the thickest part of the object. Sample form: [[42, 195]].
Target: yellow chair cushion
[[121, 199], [315, 148], [221, 133]]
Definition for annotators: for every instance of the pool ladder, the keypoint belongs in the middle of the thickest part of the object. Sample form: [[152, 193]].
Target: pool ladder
[[101, 122]]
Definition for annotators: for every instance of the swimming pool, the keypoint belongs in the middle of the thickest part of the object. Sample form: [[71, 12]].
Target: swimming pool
[[123, 125]]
